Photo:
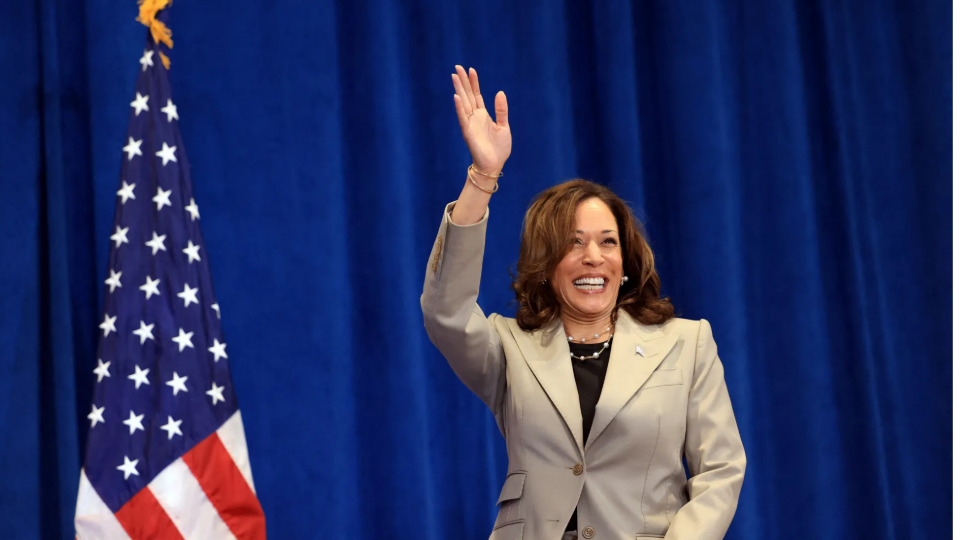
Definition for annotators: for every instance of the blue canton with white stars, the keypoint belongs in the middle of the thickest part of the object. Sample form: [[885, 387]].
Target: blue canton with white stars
[[163, 379]]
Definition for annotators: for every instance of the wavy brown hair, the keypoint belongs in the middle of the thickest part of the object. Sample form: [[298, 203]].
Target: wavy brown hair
[[549, 229]]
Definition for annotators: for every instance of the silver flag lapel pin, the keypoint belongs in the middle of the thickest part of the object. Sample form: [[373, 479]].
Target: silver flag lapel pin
[[640, 352]]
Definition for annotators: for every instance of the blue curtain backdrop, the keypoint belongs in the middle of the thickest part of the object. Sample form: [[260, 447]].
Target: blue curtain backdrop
[[791, 160]]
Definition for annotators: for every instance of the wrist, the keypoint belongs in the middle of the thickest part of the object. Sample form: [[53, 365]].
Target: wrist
[[486, 185], [487, 171]]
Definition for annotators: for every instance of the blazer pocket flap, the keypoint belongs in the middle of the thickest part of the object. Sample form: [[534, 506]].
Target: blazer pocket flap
[[512, 487], [510, 531], [664, 377]]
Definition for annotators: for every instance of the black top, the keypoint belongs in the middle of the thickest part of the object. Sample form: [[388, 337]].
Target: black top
[[589, 375]]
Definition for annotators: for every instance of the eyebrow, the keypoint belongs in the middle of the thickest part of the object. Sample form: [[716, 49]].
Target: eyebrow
[[601, 232]]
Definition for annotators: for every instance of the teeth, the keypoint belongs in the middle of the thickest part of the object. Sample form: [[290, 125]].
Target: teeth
[[589, 287], [589, 284]]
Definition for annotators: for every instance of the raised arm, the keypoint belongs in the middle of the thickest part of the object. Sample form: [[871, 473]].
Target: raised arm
[[454, 322]]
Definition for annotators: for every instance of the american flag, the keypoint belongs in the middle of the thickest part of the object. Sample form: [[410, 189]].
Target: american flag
[[166, 454]]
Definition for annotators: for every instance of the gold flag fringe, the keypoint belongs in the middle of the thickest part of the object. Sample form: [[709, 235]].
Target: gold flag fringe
[[159, 31]]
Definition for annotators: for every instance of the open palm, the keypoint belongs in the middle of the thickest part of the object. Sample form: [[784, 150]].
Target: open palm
[[488, 139]]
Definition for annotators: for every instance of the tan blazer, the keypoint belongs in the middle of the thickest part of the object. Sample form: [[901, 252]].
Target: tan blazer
[[664, 396]]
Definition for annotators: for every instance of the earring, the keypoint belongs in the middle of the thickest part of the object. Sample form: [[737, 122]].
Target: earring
[[623, 280]]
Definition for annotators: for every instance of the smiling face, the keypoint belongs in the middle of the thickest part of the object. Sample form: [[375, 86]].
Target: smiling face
[[587, 279]]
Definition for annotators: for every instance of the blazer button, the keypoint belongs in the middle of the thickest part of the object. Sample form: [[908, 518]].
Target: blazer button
[[578, 469], [588, 532]]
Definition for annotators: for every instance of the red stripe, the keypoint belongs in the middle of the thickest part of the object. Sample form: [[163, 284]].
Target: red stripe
[[230, 494], [143, 517]]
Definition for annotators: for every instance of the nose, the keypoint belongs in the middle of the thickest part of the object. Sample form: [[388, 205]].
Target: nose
[[592, 254]]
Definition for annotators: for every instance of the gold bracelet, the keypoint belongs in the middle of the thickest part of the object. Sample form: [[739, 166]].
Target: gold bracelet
[[474, 169], [496, 185]]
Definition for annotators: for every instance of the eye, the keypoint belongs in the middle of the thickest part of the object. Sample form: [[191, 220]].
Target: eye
[[610, 241], [577, 241]]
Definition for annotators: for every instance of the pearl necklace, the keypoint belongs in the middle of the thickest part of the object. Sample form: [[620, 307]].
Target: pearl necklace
[[606, 345], [571, 339]]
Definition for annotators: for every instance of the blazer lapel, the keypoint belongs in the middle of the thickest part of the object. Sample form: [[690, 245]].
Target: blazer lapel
[[548, 355], [629, 368]]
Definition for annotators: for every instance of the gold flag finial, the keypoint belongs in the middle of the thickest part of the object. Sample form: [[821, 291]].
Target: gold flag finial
[[159, 31]]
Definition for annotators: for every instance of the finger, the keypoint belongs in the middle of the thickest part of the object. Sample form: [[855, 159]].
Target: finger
[[458, 86], [461, 115], [500, 105], [475, 87], [465, 83]]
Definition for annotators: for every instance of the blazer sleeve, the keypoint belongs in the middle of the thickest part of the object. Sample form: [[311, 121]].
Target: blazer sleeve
[[715, 455], [454, 322]]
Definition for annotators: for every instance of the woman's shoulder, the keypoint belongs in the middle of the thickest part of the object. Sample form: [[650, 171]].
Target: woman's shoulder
[[678, 325], [503, 323], [699, 330], [674, 326], [509, 326]]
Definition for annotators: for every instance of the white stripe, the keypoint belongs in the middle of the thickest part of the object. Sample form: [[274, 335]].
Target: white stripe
[[93, 519], [233, 439], [181, 496]]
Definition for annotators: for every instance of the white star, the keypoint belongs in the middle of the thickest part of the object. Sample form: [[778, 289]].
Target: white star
[[129, 467], [114, 280], [189, 295], [133, 148], [146, 59], [102, 370], [167, 153], [140, 104], [135, 422], [217, 308], [218, 350], [177, 383], [145, 332], [156, 243], [170, 110], [192, 251], [126, 192], [184, 339], [162, 198], [216, 393], [120, 237], [150, 287], [172, 427], [194, 211], [140, 376], [107, 325], [96, 416]]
